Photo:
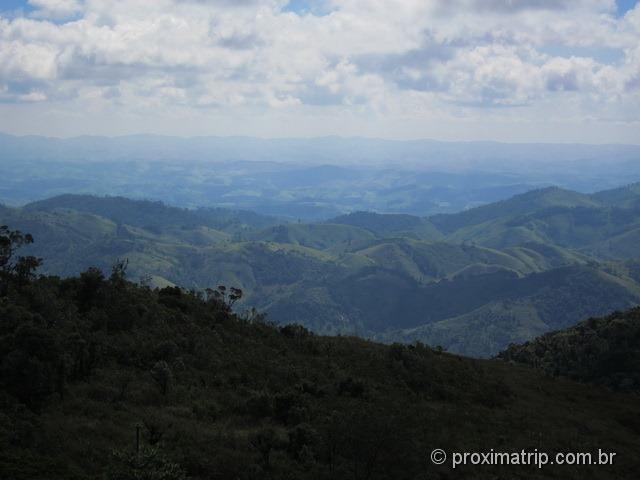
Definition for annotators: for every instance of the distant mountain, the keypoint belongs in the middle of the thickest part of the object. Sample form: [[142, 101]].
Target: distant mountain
[[586, 223], [627, 196], [605, 351], [151, 214], [525, 203], [305, 179]]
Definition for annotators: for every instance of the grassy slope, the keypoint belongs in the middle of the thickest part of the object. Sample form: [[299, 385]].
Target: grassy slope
[[553, 217], [626, 196], [519, 205], [392, 225], [336, 238]]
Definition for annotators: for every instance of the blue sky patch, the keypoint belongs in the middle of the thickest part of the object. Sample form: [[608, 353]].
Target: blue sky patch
[[19, 8], [625, 5], [306, 7], [15, 6]]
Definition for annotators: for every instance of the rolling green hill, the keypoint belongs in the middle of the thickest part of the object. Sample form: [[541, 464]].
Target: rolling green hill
[[587, 224], [334, 237], [152, 215], [472, 282], [627, 196], [394, 225], [523, 204]]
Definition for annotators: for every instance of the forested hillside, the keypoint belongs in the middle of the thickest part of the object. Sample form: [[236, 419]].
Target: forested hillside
[[472, 282], [88, 361], [604, 351]]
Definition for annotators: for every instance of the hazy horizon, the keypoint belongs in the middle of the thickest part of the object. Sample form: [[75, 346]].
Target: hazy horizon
[[313, 137], [306, 178]]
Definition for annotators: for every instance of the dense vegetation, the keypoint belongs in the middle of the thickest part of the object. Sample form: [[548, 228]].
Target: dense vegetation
[[472, 282], [605, 351], [87, 361]]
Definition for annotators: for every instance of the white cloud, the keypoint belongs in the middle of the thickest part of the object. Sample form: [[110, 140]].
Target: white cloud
[[370, 63]]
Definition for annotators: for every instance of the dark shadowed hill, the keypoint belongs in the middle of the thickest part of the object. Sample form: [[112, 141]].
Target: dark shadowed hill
[[86, 361], [604, 351]]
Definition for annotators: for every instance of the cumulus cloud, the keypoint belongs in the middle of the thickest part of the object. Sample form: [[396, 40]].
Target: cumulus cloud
[[412, 61], [513, 6]]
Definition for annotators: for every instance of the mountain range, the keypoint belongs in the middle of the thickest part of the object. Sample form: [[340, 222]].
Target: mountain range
[[472, 282]]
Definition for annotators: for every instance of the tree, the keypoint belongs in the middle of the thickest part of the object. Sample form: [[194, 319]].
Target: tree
[[22, 268], [224, 296], [234, 296], [10, 241], [26, 267], [119, 271]]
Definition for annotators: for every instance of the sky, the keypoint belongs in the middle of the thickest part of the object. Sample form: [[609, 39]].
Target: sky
[[505, 70]]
